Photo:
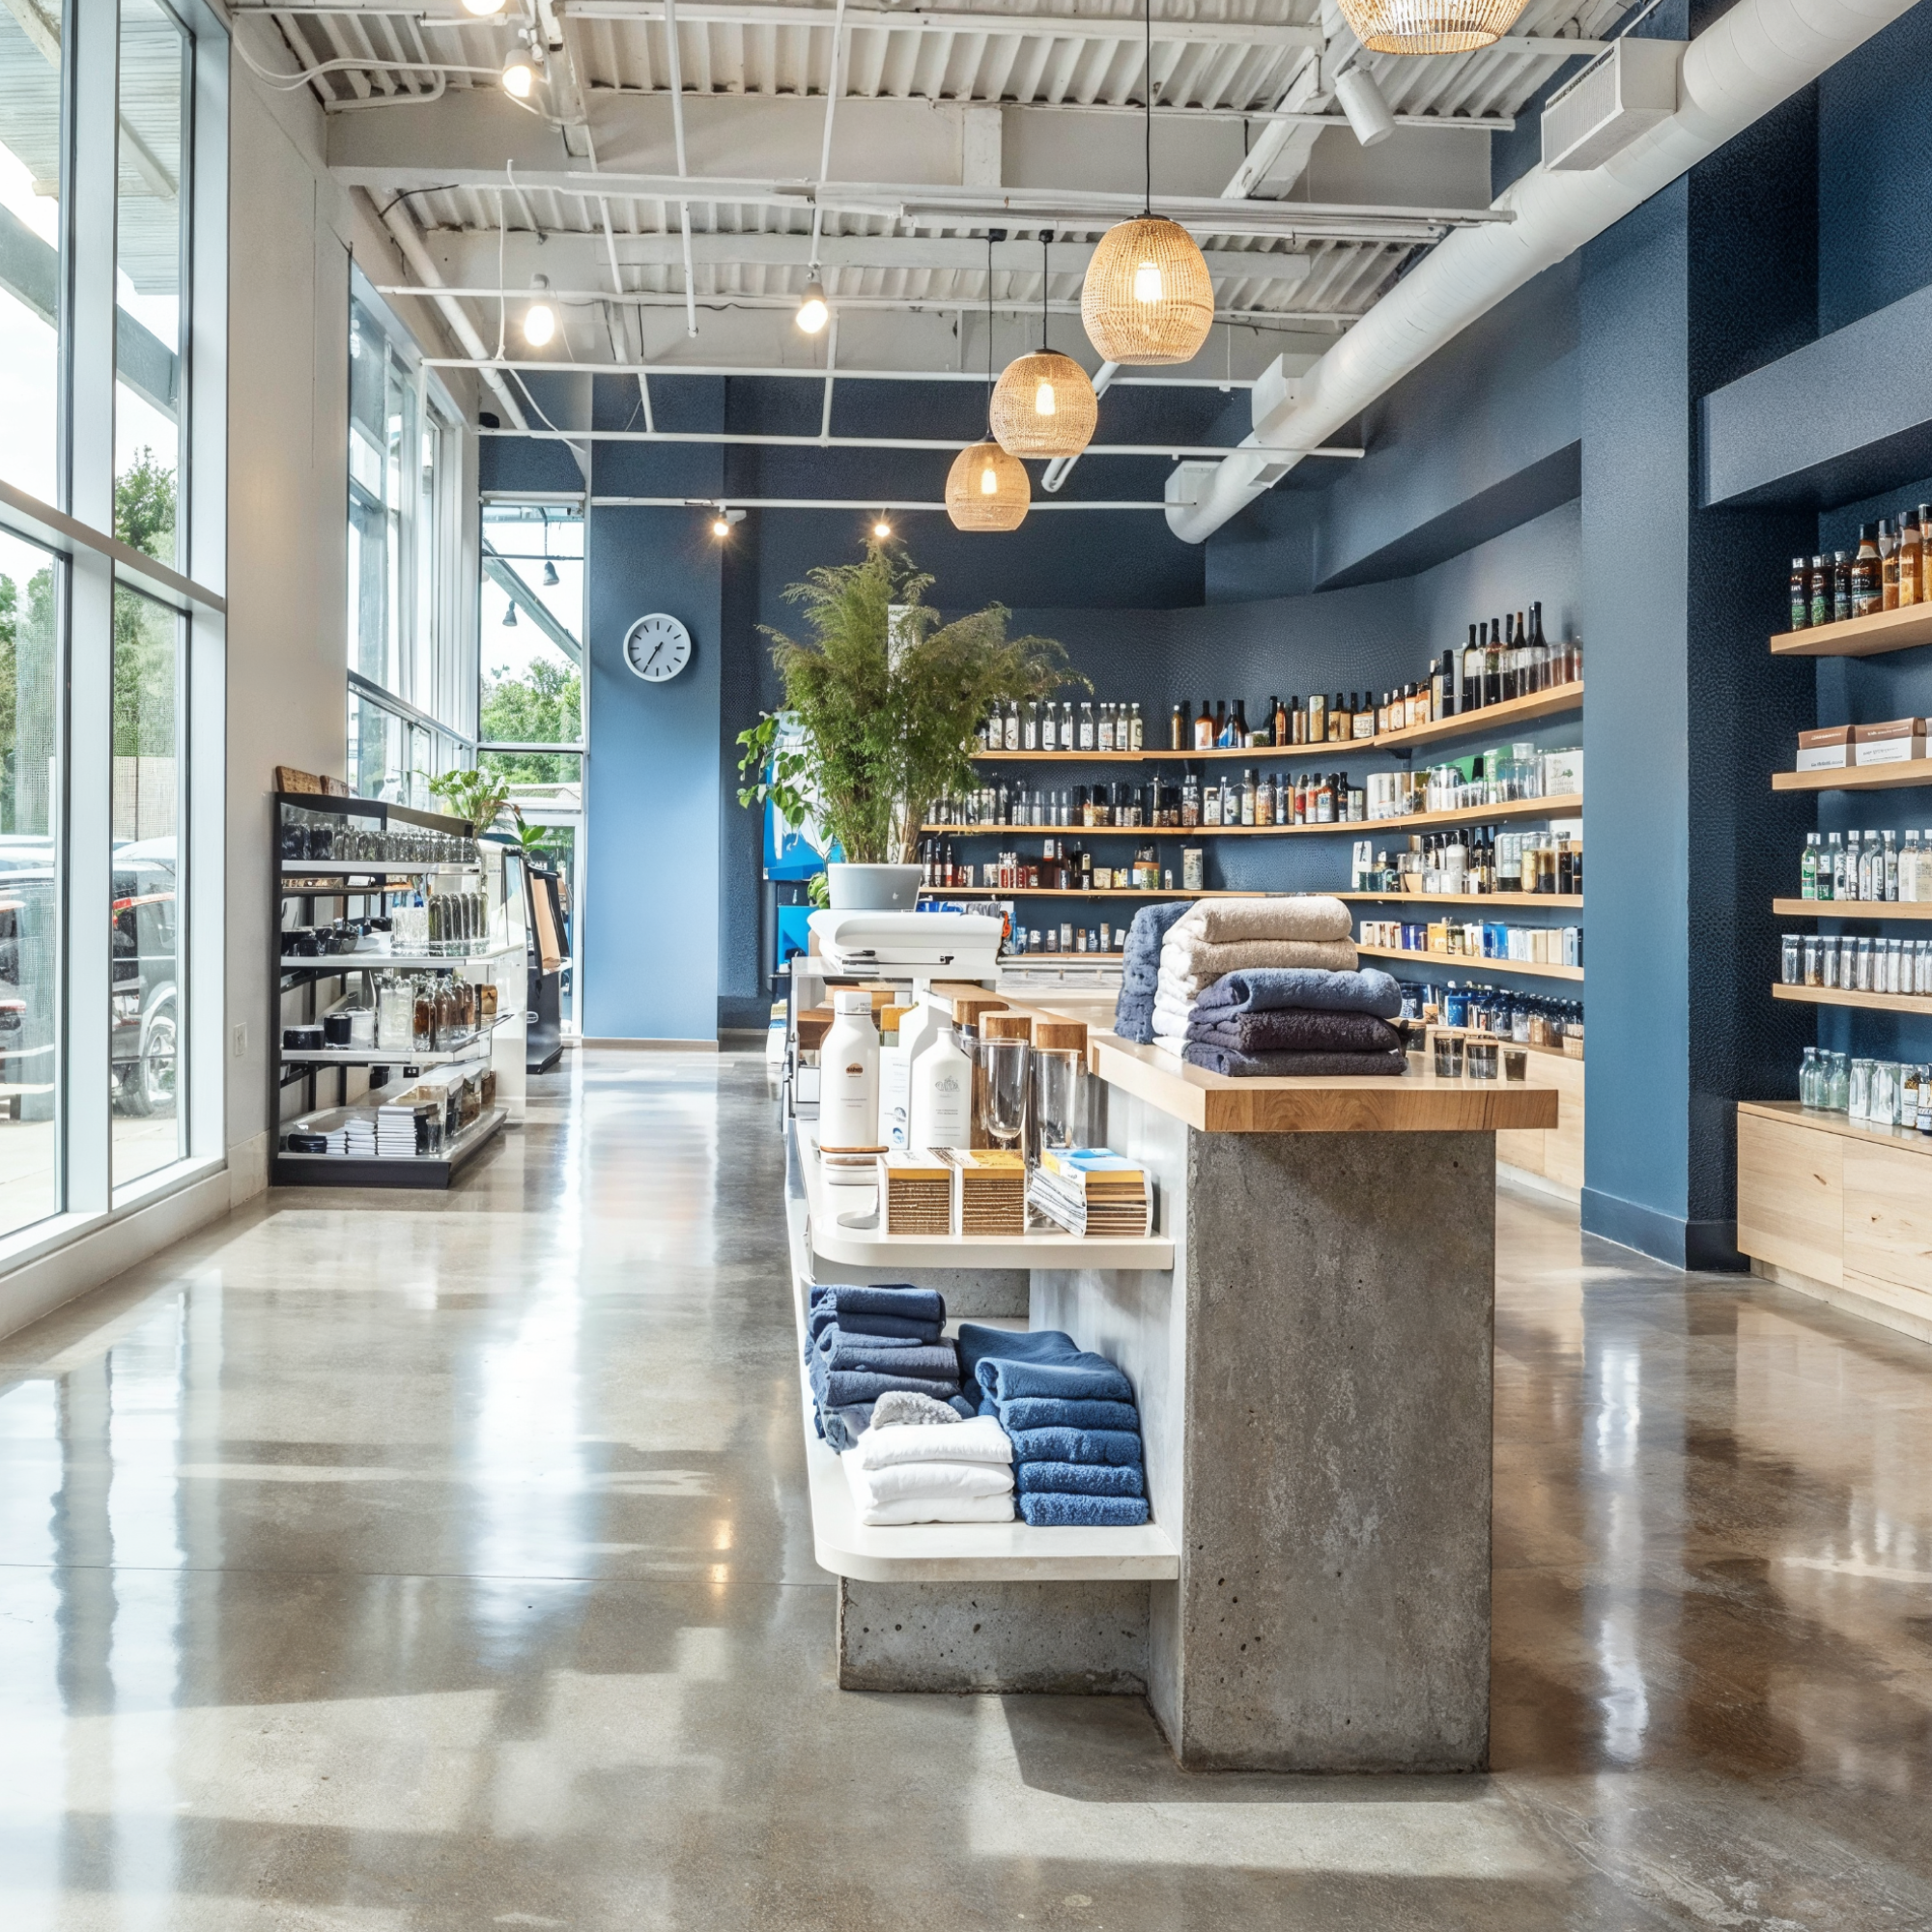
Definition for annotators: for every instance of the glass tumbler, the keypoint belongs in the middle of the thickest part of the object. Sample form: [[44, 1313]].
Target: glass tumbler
[[1062, 1099], [1448, 1056], [1005, 1054]]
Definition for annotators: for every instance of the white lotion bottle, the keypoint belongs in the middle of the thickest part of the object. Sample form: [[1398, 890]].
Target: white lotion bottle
[[848, 1078], [894, 1077], [941, 1095], [917, 1030]]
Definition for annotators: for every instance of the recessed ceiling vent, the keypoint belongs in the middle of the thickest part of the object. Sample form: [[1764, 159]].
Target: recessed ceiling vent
[[1628, 90]]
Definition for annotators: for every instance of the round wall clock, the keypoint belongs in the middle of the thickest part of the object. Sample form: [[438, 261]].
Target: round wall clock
[[657, 648]]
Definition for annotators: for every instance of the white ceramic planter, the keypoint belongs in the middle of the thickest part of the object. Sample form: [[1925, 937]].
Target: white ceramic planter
[[873, 888]]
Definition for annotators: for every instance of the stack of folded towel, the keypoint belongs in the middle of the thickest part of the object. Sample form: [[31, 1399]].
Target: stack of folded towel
[[1221, 936], [920, 1462], [1283, 1020], [863, 1342], [1075, 1430], [1140, 969]]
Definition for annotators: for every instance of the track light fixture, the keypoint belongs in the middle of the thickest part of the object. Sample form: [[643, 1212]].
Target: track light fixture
[[549, 573], [722, 522], [510, 614], [520, 78], [483, 9], [814, 311], [540, 318], [1363, 103], [882, 529]]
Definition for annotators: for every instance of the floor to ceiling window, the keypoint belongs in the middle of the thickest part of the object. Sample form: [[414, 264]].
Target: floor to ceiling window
[[112, 501], [531, 695], [410, 653]]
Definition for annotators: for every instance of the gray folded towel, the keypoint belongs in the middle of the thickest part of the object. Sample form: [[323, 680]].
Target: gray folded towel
[[1298, 1030], [1258, 988], [898, 1407], [1280, 1065], [1295, 916]]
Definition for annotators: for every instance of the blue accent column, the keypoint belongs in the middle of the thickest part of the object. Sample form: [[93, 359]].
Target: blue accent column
[[654, 779], [1688, 713]]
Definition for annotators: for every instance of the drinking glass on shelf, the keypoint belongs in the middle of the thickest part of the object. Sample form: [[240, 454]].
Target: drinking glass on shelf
[[1006, 1055], [1837, 1086]]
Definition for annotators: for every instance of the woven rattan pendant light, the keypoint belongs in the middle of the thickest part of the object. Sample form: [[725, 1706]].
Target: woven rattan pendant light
[[986, 489], [1430, 26], [1148, 298], [1043, 405]]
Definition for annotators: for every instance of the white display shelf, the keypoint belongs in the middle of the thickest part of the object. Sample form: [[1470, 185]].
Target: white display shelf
[[368, 869], [937, 1553], [476, 1047], [386, 962], [868, 1247]]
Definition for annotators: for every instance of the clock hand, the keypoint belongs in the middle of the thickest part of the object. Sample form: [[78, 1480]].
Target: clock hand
[[653, 658]]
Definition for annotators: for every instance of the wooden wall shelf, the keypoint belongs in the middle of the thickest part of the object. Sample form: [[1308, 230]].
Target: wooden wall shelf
[[1839, 996], [1901, 777], [1860, 636], [1536, 969], [1477, 724], [1567, 805], [1851, 908], [1566, 900]]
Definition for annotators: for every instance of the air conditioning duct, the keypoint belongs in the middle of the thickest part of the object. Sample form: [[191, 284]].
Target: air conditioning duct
[[1614, 100]]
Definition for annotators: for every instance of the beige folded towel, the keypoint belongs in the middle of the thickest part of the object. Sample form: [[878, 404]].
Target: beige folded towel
[[1305, 916], [1187, 965]]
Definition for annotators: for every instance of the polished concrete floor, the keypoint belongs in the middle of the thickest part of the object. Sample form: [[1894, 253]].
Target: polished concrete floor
[[399, 1562]]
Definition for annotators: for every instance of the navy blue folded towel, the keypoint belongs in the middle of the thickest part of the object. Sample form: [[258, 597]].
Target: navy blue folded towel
[[841, 1388], [1086, 1378], [840, 1350], [977, 1342], [1133, 1018], [1285, 1066], [843, 1427], [1297, 1030], [916, 1304], [1118, 1446], [1261, 987], [1077, 1479], [895, 1326], [1044, 1411], [1065, 1512]]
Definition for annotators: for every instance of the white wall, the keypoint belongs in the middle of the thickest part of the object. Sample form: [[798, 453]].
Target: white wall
[[291, 233]]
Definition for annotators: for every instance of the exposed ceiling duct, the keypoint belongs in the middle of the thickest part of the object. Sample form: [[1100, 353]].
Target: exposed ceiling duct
[[1738, 70]]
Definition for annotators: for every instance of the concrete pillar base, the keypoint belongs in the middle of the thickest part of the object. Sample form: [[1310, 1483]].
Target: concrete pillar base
[[1083, 1638]]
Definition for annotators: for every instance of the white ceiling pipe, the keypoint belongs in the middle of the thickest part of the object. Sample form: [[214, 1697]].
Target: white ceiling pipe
[[1737, 71]]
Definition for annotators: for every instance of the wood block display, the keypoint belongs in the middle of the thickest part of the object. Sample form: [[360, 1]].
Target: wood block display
[[1790, 1197], [1888, 1221]]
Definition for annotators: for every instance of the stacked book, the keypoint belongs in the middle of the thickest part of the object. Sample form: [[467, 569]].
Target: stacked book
[[1093, 1191], [992, 1192], [914, 1194], [404, 1128], [354, 1135]]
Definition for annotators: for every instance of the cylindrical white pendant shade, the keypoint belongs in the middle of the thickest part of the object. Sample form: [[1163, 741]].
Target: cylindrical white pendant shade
[[1045, 406], [1148, 298], [986, 489]]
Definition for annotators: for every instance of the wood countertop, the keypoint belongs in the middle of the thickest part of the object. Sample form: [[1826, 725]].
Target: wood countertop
[[1908, 1139], [1406, 1103]]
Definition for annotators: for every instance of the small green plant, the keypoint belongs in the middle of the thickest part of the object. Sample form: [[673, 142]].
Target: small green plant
[[818, 890], [476, 795], [883, 701]]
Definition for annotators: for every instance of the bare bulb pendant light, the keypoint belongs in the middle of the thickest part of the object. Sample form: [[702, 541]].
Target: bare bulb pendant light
[[1147, 299], [986, 489], [1430, 26], [1043, 405]]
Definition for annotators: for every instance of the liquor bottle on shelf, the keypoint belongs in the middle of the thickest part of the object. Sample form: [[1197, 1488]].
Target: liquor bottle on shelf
[[1180, 727]]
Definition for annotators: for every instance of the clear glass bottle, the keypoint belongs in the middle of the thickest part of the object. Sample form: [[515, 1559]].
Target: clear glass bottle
[[1834, 853], [1136, 730], [1086, 725], [1807, 1078], [1888, 861], [1105, 741], [1807, 867], [1068, 741], [1030, 728]]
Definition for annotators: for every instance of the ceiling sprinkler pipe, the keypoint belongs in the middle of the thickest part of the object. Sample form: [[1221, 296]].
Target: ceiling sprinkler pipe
[[1737, 71]]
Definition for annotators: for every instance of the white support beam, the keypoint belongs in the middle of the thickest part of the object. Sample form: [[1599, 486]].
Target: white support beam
[[1172, 452], [1037, 25], [804, 372]]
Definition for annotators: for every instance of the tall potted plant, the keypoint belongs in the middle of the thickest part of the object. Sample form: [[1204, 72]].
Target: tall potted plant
[[883, 700]]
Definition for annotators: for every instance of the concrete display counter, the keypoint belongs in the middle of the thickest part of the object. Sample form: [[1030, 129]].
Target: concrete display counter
[[1314, 1377]]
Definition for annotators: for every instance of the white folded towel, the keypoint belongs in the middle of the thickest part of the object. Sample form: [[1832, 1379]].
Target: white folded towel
[[980, 1439], [1300, 916], [1171, 1021], [930, 1491], [1171, 1042]]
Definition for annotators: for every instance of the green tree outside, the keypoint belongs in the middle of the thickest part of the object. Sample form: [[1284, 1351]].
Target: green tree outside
[[544, 706]]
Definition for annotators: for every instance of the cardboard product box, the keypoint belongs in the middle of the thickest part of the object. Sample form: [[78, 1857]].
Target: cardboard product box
[[1893, 743], [1825, 748]]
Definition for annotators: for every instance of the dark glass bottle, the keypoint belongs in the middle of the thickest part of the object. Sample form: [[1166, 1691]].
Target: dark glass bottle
[[1180, 728]]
